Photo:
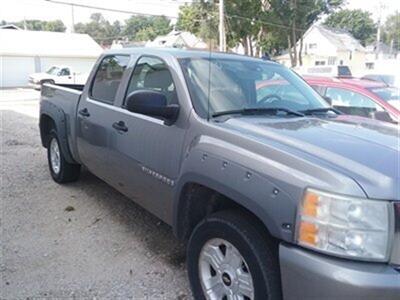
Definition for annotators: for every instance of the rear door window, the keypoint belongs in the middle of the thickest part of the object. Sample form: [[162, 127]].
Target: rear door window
[[108, 78]]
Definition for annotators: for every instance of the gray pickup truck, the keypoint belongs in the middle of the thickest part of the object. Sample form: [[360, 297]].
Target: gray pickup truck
[[276, 194]]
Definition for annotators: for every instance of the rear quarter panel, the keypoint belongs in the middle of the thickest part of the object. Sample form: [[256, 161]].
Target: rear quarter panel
[[60, 104]]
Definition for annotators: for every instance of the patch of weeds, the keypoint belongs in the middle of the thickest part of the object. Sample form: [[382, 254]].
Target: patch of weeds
[[69, 208]]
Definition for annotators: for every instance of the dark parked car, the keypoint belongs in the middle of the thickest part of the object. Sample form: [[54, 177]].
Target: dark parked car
[[274, 192]]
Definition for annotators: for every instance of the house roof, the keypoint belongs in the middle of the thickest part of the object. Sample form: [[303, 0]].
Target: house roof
[[178, 39], [10, 26], [383, 48], [46, 43], [341, 39]]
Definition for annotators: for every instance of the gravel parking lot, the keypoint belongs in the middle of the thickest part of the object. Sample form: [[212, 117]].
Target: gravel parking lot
[[81, 240]]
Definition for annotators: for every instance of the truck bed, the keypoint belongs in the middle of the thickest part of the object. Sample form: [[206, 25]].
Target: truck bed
[[78, 87]]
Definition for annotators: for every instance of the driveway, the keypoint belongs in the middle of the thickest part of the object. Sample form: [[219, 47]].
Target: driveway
[[81, 240]]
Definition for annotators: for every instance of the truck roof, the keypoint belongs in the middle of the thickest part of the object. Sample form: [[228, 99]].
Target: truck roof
[[182, 53]]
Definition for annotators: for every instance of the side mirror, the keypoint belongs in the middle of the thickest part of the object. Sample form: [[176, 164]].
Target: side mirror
[[152, 103], [328, 99], [381, 116]]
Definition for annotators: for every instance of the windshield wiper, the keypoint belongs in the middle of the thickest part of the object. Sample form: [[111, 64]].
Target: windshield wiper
[[321, 110], [261, 110]]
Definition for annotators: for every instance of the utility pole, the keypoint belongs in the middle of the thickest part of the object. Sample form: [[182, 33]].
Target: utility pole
[[381, 7], [72, 19], [222, 36]]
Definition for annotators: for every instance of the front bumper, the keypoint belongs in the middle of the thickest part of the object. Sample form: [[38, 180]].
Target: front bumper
[[36, 86], [308, 275]]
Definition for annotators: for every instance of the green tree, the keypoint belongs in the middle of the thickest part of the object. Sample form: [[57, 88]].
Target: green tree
[[136, 28], [56, 25], [358, 22], [201, 19], [141, 28], [268, 25], [391, 31], [39, 25], [100, 29], [243, 24], [294, 17]]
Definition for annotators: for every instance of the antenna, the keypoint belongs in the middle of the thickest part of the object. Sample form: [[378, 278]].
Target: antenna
[[209, 73]]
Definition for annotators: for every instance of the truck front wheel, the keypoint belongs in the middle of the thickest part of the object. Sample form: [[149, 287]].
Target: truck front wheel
[[229, 257], [61, 171]]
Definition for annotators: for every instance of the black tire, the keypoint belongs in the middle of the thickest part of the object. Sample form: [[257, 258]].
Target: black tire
[[258, 249], [67, 172]]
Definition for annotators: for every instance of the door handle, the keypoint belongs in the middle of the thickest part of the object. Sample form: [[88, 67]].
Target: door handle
[[84, 112], [120, 126]]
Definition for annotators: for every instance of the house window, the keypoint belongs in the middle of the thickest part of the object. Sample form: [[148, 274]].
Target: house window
[[320, 63], [331, 60], [312, 46], [369, 65]]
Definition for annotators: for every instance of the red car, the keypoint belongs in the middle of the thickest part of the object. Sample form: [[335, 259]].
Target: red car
[[360, 97]]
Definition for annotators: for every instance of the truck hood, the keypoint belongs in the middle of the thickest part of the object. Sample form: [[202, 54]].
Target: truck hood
[[365, 150], [39, 76]]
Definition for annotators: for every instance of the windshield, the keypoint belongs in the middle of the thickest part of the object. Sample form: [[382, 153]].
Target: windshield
[[53, 71], [387, 93], [233, 84]]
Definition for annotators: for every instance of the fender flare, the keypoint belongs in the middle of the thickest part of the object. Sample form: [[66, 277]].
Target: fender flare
[[58, 116], [233, 194]]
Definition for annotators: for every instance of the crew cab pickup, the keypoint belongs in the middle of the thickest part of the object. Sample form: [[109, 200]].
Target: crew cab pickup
[[57, 75], [276, 193]]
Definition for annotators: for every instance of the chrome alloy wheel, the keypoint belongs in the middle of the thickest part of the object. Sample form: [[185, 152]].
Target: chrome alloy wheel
[[224, 273], [55, 156]]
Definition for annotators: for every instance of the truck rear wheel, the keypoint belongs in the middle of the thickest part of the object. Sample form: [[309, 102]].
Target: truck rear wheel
[[61, 171], [228, 257]]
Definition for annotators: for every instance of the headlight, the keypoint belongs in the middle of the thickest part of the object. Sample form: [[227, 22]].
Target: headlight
[[345, 226]]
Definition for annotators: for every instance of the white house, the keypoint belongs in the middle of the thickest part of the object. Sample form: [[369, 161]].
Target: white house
[[23, 52], [178, 39], [383, 59], [324, 46]]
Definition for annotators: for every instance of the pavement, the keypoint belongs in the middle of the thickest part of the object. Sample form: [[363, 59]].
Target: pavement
[[82, 240]]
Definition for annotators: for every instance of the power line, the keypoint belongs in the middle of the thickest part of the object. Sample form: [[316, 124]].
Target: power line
[[109, 9], [172, 17]]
